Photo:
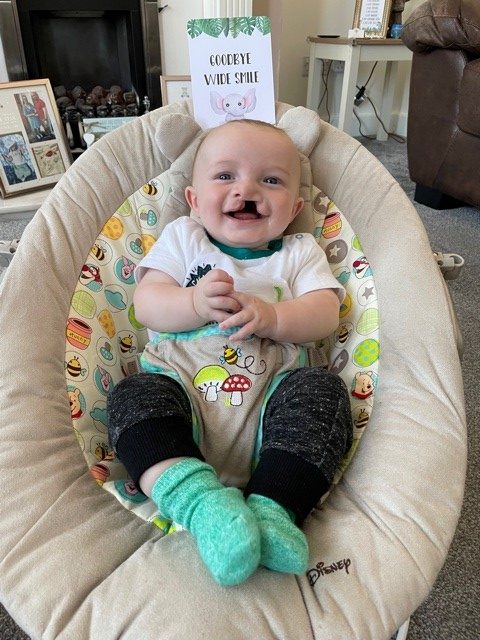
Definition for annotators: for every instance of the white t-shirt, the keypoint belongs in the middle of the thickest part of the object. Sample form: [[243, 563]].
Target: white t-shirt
[[186, 253]]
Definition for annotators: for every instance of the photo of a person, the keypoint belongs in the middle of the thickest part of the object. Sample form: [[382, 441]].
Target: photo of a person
[[34, 117], [41, 111], [16, 159]]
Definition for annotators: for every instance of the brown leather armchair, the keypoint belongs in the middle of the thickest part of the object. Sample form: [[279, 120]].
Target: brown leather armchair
[[443, 138]]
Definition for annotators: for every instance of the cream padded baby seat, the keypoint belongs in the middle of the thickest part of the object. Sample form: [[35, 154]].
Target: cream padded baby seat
[[76, 564]]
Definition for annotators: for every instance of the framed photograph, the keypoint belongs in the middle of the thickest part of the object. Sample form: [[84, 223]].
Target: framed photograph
[[372, 16], [174, 88], [33, 148], [95, 128]]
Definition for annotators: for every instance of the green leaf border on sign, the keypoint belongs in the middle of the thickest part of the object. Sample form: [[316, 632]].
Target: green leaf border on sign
[[233, 27]]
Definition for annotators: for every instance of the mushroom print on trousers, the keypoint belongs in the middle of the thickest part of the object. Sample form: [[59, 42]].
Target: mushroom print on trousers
[[227, 386], [213, 378]]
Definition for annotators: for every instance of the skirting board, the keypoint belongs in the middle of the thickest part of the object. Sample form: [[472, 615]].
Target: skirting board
[[370, 123]]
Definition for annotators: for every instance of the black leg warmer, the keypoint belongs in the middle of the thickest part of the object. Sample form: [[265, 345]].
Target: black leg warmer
[[149, 420]]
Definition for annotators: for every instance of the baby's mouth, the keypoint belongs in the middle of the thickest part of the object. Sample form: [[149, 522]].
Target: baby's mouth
[[248, 212]]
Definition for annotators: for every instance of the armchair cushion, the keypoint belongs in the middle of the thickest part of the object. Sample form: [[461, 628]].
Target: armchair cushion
[[469, 104], [445, 24]]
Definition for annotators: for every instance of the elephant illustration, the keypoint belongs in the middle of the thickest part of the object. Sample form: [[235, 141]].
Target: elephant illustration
[[234, 105]]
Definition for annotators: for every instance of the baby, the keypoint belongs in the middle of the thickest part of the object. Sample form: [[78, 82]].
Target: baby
[[230, 393]]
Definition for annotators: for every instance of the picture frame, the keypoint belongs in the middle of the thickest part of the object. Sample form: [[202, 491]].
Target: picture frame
[[34, 152], [98, 127], [372, 16], [174, 88]]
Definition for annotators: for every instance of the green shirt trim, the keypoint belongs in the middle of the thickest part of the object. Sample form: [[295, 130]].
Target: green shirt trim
[[241, 253]]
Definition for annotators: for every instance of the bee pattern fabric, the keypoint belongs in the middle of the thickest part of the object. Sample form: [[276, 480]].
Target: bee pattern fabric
[[72, 557], [104, 339]]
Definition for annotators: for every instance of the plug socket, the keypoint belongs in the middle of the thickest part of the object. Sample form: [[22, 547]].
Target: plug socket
[[359, 97]]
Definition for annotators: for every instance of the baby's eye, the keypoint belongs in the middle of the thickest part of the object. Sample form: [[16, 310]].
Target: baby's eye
[[271, 180], [224, 176]]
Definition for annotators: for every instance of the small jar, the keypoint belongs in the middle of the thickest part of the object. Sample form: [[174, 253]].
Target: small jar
[[396, 30]]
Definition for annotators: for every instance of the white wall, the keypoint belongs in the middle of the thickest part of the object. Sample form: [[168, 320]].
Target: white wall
[[173, 31], [292, 23], [336, 18], [3, 66], [290, 28], [297, 21], [173, 34], [273, 9]]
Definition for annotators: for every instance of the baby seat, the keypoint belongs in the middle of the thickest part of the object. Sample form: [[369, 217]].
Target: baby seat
[[73, 557]]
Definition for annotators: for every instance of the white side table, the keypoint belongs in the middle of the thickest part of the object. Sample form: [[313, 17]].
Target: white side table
[[352, 52]]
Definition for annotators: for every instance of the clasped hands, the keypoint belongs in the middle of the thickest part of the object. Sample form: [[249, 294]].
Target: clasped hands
[[215, 299]]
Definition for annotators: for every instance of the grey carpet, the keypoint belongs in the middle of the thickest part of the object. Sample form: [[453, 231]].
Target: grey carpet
[[9, 229], [452, 610]]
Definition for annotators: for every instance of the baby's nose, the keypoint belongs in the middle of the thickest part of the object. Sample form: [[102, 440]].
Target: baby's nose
[[246, 189]]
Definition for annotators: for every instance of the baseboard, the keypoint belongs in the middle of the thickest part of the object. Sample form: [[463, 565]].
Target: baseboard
[[370, 123]]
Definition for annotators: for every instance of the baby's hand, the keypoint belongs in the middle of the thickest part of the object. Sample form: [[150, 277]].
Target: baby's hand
[[212, 296], [255, 316]]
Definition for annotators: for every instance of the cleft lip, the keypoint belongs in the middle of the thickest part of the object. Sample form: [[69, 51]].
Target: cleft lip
[[248, 207]]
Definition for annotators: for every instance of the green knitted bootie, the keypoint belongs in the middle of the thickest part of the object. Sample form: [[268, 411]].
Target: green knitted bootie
[[283, 545], [224, 528]]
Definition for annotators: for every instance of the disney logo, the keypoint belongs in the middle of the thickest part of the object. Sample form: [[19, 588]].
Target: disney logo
[[321, 570]]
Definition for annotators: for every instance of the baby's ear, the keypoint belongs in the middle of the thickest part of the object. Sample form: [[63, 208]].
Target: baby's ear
[[303, 221], [192, 202], [298, 207], [191, 197]]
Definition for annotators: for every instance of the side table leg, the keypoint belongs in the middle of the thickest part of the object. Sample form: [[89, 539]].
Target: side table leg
[[387, 99], [349, 89], [315, 70]]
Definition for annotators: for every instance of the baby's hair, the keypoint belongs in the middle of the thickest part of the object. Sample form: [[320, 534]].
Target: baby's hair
[[248, 121], [254, 123]]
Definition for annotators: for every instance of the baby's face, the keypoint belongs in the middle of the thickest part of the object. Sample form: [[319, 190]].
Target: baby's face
[[245, 184]]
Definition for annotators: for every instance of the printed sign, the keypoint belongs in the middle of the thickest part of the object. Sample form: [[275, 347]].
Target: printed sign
[[231, 69]]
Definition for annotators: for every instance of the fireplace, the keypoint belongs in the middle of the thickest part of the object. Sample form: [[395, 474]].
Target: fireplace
[[84, 43]]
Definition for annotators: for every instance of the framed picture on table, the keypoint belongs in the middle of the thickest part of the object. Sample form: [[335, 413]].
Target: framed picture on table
[[372, 16], [95, 128], [33, 148], [174, 88]]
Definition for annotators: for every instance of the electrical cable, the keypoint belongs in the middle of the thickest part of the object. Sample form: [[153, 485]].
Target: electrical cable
[[371, 73], [394, 136], [364, 135], [359, 98], [325, 91]]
